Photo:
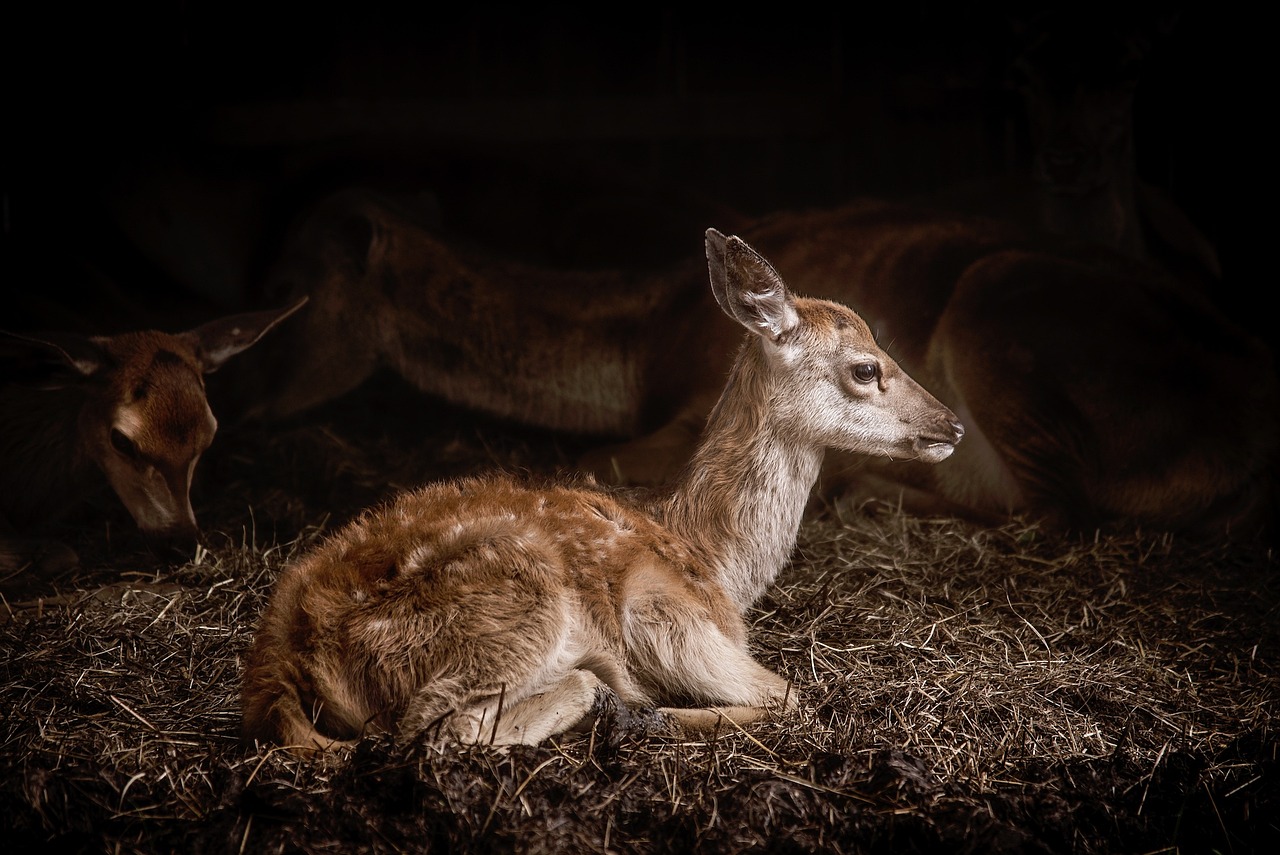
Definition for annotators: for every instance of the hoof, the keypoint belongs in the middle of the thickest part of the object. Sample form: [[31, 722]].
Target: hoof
[[618, 723]]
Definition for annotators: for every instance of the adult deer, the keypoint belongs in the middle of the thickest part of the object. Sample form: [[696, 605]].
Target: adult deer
[[1097, 390], [130, 407], [1078, 75], [498, 611]]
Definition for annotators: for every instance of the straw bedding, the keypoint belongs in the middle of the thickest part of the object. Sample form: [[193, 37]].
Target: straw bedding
[[962, 689]]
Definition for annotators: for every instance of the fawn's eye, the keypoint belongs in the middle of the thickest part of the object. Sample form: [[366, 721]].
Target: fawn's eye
[[866, 372], [123, 444]]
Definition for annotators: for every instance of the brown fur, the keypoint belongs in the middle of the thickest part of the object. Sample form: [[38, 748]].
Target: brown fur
[[1097, 389], [130, 407], [488, 610]]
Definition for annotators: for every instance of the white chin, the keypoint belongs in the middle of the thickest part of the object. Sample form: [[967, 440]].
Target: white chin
[[936, 452]]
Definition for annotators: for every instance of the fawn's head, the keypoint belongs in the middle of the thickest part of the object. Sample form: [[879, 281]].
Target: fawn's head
[[144, 419], [835, 387]]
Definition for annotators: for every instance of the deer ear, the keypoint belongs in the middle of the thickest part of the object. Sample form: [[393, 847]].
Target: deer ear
[[51, 360], [217, 341], [747, 287]]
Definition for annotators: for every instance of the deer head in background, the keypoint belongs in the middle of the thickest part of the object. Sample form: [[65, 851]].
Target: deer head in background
[[129, 409]]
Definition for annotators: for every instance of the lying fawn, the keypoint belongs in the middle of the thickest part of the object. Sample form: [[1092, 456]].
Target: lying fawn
[[497, 612], [130, 407]]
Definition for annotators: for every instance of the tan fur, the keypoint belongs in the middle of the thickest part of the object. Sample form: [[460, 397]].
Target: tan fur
[[130, 407], [489, 610], [1097, 389]]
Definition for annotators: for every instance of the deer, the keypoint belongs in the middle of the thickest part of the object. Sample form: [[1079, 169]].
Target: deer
[[128, 411], [492, 610], [1077, 77], [1098, 391]]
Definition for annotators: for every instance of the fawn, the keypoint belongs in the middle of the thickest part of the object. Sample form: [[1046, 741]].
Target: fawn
[[130, 407], [1097, 390], [498, 612]]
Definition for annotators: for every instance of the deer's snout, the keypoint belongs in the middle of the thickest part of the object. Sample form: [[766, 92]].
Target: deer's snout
[[1069, 169], [938, 442]]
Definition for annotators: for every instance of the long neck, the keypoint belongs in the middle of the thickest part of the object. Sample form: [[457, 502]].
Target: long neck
[[1107, 216], [740, 500]]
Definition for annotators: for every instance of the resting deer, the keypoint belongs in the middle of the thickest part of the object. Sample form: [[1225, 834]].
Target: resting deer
[[1097, 390], [130, 407], [497, 612], [1078, 74]]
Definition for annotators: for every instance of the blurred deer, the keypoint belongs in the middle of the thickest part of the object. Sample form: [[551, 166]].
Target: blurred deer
[[498, 612], [128, 408], [1097, 390], [1077, 76]]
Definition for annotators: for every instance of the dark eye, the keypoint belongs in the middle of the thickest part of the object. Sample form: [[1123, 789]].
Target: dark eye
[[866, 372], [123, 444]]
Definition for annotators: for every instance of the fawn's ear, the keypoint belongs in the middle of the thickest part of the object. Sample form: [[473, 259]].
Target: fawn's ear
[[747, 287], [217, 341], [50, 360]]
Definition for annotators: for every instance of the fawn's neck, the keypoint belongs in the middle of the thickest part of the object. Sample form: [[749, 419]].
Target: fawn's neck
[[741, 497]]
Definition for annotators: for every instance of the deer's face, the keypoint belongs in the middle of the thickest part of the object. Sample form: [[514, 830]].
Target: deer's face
[[1083, 140], [855, 397], [147, 430], [1078, 87]]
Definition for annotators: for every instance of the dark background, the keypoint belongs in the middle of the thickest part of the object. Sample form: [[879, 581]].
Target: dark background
[[154, 155]]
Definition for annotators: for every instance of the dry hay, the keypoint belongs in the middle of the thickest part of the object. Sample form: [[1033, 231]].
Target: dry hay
[[963, 690]]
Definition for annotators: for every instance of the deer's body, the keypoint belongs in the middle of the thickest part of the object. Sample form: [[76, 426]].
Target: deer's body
[[128, 412], [1097, 389], [564, 350], [496, 611]]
